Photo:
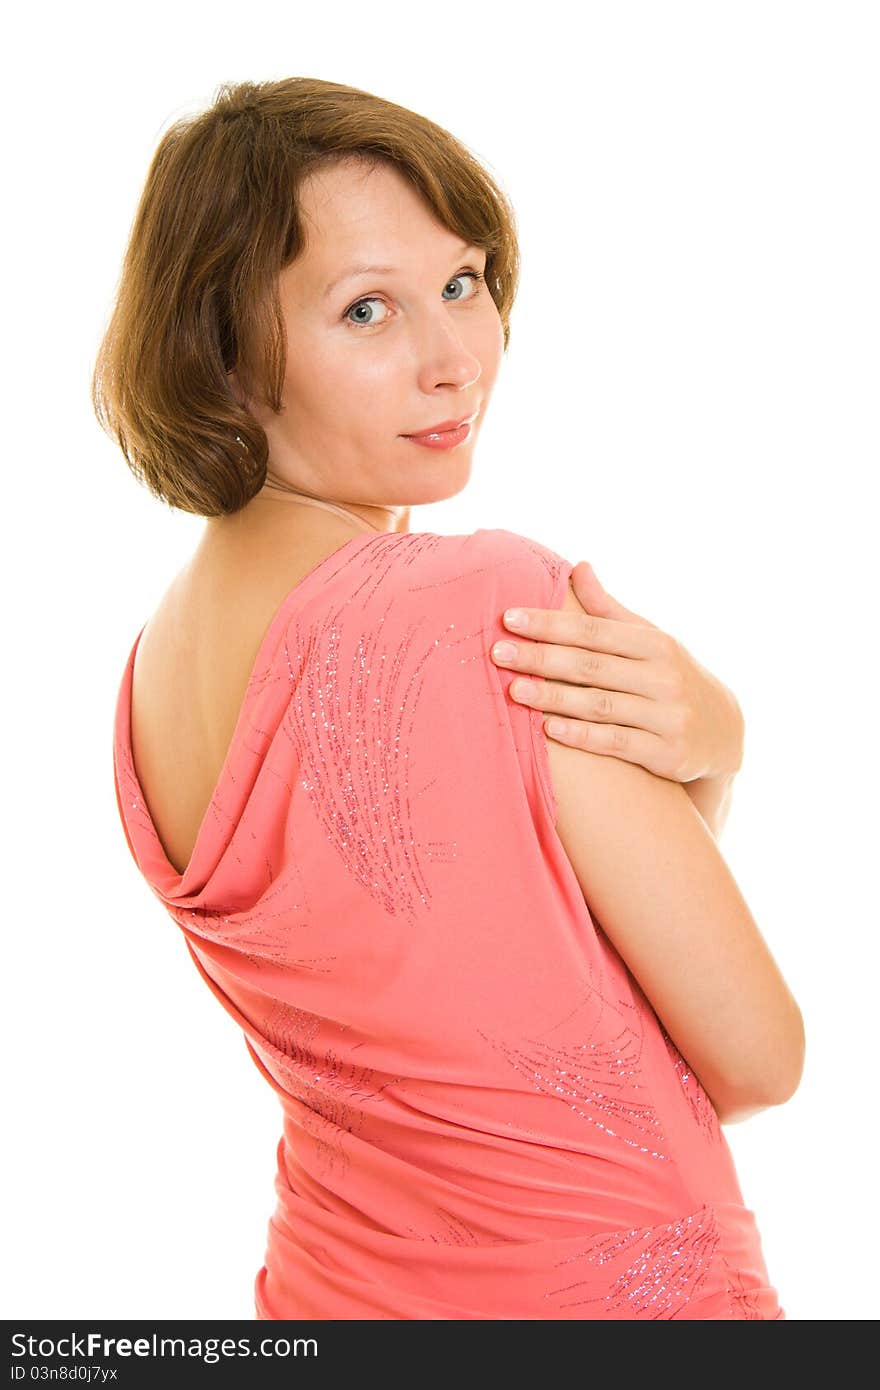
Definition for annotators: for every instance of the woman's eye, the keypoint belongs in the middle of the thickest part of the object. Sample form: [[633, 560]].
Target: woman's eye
[[363, 304], [473, 275]]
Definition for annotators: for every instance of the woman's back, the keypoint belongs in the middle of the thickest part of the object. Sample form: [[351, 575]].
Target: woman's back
[[196, 656], [483, 1115]]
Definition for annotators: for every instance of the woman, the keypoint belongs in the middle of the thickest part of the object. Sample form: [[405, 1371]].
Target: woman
[[505, 987]]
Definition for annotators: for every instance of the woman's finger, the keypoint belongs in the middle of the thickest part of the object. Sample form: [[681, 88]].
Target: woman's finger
[[589, 630], [608, 626], [592, 595], [583, 666], [601, 707], [617, 741]]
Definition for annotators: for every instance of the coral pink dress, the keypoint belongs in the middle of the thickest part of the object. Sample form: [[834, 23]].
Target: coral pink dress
[[483, 1117]]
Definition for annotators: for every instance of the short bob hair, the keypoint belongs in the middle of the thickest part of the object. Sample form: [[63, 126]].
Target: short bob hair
[[217, 222]]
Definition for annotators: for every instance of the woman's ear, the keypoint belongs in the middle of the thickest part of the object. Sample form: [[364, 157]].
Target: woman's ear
[[257, 410], [235, 388]]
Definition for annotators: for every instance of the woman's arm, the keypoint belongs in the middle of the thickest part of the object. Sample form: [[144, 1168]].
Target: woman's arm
[[662, 893]]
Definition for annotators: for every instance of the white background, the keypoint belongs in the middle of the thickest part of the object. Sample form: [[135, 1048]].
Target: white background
[[690, 401]]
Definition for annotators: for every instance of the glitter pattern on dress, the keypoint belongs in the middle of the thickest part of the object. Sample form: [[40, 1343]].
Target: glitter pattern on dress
[[479, 1108], [595, 1080], [334, 1092], [257, 937], [701, 1106], [451, 1230], [745, 1304], [652, 1272], [351, 733], [335, 1089]]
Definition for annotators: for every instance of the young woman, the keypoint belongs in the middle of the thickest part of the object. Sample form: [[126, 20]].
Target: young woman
[[505, 987]]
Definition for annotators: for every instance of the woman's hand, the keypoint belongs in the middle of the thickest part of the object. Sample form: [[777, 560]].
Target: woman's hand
[[624, 687]]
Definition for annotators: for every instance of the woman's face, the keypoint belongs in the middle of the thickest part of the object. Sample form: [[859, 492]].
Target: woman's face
[[375, 355]]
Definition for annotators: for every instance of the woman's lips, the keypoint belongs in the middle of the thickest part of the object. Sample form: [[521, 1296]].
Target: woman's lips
[[441, 438]]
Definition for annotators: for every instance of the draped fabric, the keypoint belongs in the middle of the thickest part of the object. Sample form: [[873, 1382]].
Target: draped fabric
[[481, 1114]]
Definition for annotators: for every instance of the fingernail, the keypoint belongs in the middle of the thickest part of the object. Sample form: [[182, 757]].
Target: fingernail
[[504, 651], [515, 617], [524, 690]]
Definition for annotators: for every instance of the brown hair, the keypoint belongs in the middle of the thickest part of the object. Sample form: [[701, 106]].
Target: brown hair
[[197, 295]]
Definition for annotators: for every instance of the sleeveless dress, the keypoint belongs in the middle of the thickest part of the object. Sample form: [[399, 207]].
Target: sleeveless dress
[[482, 1115]]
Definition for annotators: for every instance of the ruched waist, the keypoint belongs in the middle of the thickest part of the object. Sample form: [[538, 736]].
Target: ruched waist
[[704, 1263]]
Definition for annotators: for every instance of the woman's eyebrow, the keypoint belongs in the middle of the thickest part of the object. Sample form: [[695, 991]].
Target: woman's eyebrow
[[382, 269], [358, 270]]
